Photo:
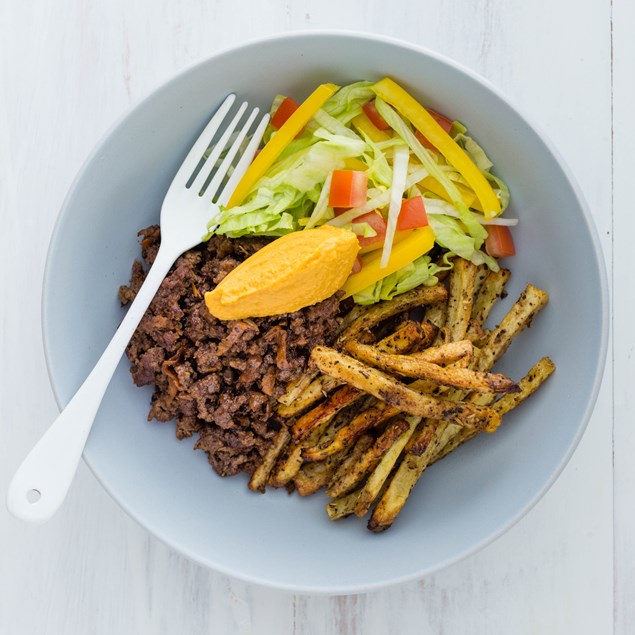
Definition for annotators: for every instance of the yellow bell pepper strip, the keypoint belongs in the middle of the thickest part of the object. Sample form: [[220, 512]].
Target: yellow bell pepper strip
[[399, 236], [365, 126], [468, 196], [355, 164], [423, 121], [403, 253], [276, 145]]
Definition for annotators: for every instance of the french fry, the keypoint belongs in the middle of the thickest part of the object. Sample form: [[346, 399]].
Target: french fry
[[381, 311], [424, 436], [448, 437], [357, 311], [476, 333], [364, 442], [398, 490], [348, 435], [531, 301], [437, 313], [490, 291], [481, 274], [379, 475], [342, 506], [297, 387], [367, 462], [387, 389], [408, 336], [462, 284], [519, 317], [462, 279], [313, 476], [453, 398], [415, 365], [442, 354], [315, 391], [289, 464], [429, 334], [258, 479], [290, 461], [538, 374], [324, 412]]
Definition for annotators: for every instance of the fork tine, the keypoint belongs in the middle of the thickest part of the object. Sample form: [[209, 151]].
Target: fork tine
[[198, 149], [245, 160], [212, 188], [199, 182]]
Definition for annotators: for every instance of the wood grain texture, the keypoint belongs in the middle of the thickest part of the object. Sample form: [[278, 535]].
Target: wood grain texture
[[68, 70]]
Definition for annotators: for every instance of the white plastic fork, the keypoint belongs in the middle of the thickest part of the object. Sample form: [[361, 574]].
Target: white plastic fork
[[41, 483]]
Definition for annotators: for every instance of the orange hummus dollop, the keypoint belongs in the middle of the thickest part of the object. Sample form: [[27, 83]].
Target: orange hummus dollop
[[288, 274]]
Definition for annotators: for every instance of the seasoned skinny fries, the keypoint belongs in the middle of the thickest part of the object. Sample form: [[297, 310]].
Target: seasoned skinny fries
[[407, 337], [387, 389], [369, 417], [417, 366], [367, 461]]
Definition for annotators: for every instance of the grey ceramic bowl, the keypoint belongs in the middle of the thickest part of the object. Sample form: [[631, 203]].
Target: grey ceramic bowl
[[463, 502]]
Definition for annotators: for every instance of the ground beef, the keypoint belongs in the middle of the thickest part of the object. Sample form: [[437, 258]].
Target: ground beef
[[219, 379]]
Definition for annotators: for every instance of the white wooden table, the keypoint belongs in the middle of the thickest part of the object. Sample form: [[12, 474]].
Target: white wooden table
[[68, 69]]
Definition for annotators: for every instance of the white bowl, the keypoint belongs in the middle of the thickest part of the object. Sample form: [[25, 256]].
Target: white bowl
[[461, 503]]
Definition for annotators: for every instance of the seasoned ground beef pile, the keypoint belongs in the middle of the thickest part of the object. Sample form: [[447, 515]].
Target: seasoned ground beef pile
[[218, 379]]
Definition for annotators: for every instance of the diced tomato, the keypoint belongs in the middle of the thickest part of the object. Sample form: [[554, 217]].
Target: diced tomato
[[373, 114], [357, 265], [377, 222], [286, 108], [442, 120], [412, 214], [348, 188], [340, 210], [499, 243]]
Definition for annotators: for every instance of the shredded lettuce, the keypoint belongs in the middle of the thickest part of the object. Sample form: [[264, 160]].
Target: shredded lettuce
[[292, 185], [474, 151], [347, 102], [483, 163], [473, 228], [293, 194], [449, 233], [321, 211], [421, 271], [379, 171], [397, 189]]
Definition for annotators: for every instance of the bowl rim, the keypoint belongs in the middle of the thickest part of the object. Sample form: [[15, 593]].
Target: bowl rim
[[597, 251]]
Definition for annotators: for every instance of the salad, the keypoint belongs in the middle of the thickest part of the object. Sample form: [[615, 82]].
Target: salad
[[413, 186]]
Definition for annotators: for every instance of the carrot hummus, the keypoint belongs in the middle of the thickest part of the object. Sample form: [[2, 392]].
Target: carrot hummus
[[288, 274]]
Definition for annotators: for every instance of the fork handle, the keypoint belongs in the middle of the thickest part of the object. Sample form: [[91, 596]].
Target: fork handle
[[40, 484]]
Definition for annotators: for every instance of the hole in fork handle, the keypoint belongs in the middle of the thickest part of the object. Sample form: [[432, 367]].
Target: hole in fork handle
[[33, 496]]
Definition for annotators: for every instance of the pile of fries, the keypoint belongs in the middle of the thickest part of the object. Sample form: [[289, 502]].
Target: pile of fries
[[396, 394]]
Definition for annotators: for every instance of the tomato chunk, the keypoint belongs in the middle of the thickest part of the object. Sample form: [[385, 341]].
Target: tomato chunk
[[377, 222], [286, 108], [412, 214], [442, 120], [357, 265], [372, 113], [348, 188], [499, 243]]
